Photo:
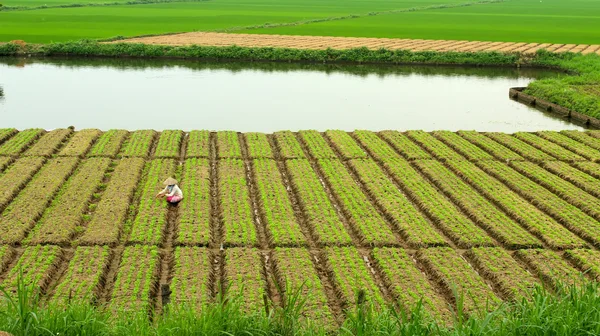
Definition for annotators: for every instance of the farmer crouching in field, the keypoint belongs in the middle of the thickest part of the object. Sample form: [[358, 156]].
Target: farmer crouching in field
[[172, 192]]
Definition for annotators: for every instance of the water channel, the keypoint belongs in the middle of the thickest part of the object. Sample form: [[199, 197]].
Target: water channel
[[264, 97]]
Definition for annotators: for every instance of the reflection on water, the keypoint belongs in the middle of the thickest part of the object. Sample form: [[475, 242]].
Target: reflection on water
[[263, 97]]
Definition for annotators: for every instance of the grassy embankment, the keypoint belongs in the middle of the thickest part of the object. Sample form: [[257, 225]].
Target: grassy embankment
[[570, 310], [577, 91]]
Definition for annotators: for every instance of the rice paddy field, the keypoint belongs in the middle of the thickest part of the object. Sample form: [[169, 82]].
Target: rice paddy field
[[399, 215], [547, 21]]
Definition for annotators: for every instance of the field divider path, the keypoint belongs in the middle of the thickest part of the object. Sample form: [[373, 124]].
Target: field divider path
[[92, 4]]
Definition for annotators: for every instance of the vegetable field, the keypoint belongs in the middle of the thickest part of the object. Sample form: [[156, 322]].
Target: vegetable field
[[399, 217]]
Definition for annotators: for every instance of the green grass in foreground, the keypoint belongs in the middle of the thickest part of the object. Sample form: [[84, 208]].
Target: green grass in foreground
[[573, 310], [552, 21]]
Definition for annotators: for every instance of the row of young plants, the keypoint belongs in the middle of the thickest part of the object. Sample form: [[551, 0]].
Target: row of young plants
[[7, 133], [316, 205], [22, 213], [413, 226], [138, 144], [510, 278], [583, 137], [258, 146], [136, 280], [65, 214], [151, 218], [168, 144], [21, 141], [478, 208], [245, 277], [375, 145], [410, 286], [228, 145], [235, 204], [359, 210], [345, 145], [590, 168], [109, 143], [6, 254], [288, 145], [277, 209], [80, 143], [16, 176], [563, 188], [434, 146], [110, 213], [5, 161], [462, 146], [34, 268], [455, 275], [518, 208], [192, 283], [349, 271], [568, 215], [498, 150], [298, 277], [49, 142], [317, 145], [195, 213], [586, 260], [403, 145], [578, 177], [522, 148], [83, 277], [548, 147], [574, 146], [550, 266], [198, 145]]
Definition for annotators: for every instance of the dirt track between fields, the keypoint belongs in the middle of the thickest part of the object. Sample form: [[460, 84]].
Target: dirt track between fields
[[324, 42]]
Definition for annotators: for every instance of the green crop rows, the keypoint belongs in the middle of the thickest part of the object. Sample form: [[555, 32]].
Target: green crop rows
[[389, 218]]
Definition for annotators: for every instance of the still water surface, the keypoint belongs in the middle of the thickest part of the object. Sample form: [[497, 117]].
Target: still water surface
[[263, 97]]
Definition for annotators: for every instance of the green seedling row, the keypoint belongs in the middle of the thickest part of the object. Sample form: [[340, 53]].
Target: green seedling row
[[16, 177], [403, 145], [316, 206], [6, 253], [258, 146], [548, 147], [408, 283], [356, 205], [350, 273], [583, 138], [434, 146], [228, 145], [151, 217], [191, 285], [566, 190], [83, 277], [49, 143], [136, 280], [530, 217], [21, 141], [522, 148], [504, 271], [6, 133], [446, 215], [109, 143], [20, 215], [462, 146], [591, 168], [577, 177], [34, 268], [317, 145], [195, 212], [298, 276], [414, 228], [496, 149], [459, 279], [595, 134], [570, 144], [168, 144], [588, 261], [503, 228], [198, 145], [5, 161], [62, 218], [138, 144], [244, 269], [107, 221], [345, 145], [288, 145], [376, 146], [80, 143], [276, 206], [550, 267], [570, 216], [236, 208]]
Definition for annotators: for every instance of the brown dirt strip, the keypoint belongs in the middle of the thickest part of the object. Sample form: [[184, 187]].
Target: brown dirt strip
[[324, 42]]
